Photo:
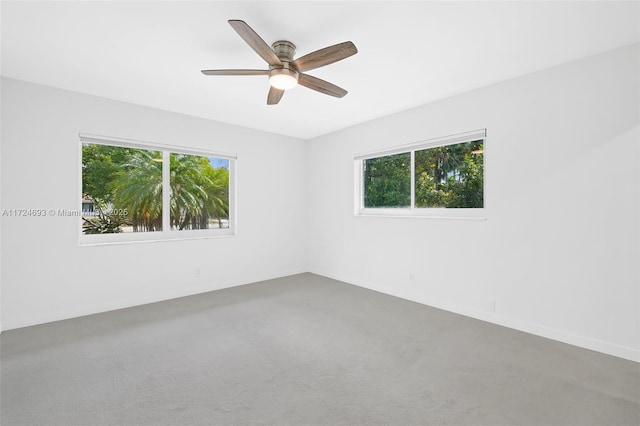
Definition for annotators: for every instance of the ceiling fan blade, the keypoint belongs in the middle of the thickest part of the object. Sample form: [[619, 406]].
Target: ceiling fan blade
[[321, 86], [325, 56], [255, 42], [235, 72], [274, 95]]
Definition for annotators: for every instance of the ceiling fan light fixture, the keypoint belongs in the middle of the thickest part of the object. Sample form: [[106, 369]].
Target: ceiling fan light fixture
[[283, 78]]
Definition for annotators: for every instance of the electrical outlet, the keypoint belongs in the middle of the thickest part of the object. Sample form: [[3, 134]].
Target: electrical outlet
[[412, 276], [197, 272], [492, 306]]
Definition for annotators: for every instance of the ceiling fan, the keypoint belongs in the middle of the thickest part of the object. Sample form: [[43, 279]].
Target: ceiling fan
[[284, 72]]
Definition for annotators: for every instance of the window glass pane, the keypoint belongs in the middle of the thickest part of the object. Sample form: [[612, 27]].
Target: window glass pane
[[199, 192], [387, 181], [121, 189], [450, 176]]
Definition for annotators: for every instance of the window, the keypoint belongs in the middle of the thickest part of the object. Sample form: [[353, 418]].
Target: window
[[199, 192], [132, 191], [442, 177], [387, 181], [450, 176]]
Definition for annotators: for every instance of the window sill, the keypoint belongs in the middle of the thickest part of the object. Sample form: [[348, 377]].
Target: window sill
[[454, 214], [153, 237]]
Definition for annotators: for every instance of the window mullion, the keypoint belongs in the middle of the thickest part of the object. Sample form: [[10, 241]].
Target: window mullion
[[413, 180], [166, 190], [362, 183]]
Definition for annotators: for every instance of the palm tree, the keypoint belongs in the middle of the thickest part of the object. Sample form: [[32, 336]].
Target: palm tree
[[138, 188], [187, 190], [198, 192], [217, 205]]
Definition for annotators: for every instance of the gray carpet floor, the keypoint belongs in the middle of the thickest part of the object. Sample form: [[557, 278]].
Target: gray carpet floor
[[304, 350]]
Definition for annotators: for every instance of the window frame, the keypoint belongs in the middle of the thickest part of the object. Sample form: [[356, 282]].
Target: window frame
[[412, 211], [166, 234]]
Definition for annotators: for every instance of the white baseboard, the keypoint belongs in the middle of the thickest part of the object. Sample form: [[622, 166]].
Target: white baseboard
[[585, 342], [543, 331]]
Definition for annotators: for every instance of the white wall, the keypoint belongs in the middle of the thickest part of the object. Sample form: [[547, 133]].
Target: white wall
[[45, 274], [558, 252]]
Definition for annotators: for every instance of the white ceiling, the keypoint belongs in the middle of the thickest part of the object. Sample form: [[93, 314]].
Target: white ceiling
[[410, 53]]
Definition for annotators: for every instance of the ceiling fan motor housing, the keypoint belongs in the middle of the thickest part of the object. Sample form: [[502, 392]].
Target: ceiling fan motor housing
[[284, 50], [283, 77]]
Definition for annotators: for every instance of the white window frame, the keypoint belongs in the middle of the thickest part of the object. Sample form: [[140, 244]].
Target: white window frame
[[166, 234], [412, 211]]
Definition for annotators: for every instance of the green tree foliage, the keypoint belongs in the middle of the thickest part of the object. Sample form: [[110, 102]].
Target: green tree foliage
[[138, 188], [100, 166], [451, 176], [129, 179], [217, 193], [387, 181], [198, 192]]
